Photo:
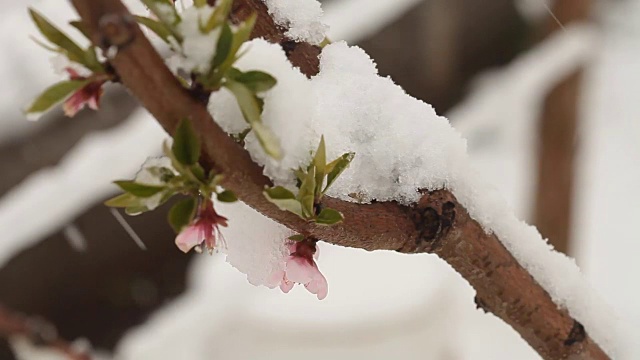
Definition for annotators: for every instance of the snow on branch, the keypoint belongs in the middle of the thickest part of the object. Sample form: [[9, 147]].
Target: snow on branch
[[406, 156]]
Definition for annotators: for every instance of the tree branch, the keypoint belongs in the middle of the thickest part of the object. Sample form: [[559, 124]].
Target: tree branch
[[558, 145], [38, 331], [438, 224]]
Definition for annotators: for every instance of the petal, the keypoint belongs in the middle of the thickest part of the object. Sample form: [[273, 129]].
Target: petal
[[221, 220], [94, 101], [75, 103], [286, 285], [275, 279], [299, 270], [318, 286], [221, 242], [189, 237], [94, 93], [210, 238], [73, 74]]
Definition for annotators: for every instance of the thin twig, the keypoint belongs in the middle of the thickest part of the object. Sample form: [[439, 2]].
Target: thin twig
[[553, 15], [125, 225]]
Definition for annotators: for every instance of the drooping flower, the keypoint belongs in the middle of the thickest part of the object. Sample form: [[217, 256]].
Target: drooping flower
[[88, 95], [301, 268], [205, 228]]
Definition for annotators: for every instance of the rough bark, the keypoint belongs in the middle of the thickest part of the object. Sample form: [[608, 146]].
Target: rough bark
[[439, 224], [557, 141]]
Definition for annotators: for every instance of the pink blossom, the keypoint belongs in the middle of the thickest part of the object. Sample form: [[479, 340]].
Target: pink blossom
[[301, 268], [203, 229], [88, 95]]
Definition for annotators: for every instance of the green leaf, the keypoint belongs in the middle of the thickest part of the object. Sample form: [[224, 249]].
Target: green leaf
[[80, 26], [166, 150], [243, 32], [269, 142], [181, 213], [199, 3], [166, 12], [308, 185], [46, 46], [219, 15], [325, 42], [279, 193], [251, 107], [308, 202], [215, 179], [199, 173], [300, 175], [91, 60], [57, 37], [54, 94], [297, 237], [123, 201], [186, 144], [329, 217], [284, 199], [336, 167], [223, 49], [166, 195], [137, 189], [247, 100], [160, 29], [135, 210], [306, 195], [227, 196], [256, 81], [320, 163], [241, 35]]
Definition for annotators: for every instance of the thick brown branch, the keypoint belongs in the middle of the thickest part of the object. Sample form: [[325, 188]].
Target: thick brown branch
[[38, 331], [302, 55], [439, 224]]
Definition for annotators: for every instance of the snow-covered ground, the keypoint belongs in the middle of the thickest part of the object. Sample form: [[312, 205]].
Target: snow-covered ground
[[383, 304]]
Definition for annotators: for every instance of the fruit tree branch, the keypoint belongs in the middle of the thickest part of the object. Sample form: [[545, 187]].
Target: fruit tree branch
[[438, 224]]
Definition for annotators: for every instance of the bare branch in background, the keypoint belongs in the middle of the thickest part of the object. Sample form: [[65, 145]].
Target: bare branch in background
[[558, 144], [38, 331]]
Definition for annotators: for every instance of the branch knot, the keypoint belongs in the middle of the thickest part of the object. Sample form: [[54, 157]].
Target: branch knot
[[434, 216]]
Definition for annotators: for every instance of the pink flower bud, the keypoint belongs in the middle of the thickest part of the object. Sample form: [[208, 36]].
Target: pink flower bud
[[88, 95], [301, 268], [204, 229]]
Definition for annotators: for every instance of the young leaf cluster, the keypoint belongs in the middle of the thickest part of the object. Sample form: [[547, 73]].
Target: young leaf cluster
[[245, 86], [61, 43], [313, 183], [181, 175]]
